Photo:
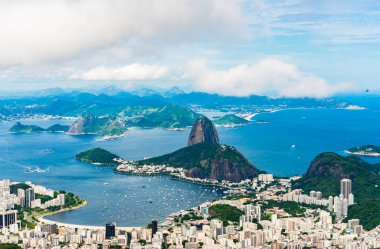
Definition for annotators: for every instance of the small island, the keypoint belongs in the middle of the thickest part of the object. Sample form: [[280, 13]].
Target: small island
[[230, 120], [21, 128], [98, 156], [367, 150]]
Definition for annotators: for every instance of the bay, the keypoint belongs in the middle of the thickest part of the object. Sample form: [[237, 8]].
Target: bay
[[285, 146]]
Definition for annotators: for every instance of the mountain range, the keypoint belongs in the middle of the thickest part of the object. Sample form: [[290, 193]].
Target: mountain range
[[112, 101]]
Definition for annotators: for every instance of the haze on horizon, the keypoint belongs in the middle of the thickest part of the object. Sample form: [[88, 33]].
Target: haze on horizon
[[289, 49]]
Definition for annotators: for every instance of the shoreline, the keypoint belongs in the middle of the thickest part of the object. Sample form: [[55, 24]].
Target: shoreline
[[42, 219], [41, 216], [362, 154]]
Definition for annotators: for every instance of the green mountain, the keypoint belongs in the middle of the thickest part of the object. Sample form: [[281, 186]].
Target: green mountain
[[211, 161], [326, 171], [58, 128], [20, 128], [366, 150], [168, 116], [231, 120], [98, 156], [89, 124], [205, 158]]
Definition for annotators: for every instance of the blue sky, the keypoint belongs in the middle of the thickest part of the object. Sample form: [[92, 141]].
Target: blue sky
[[276, 48]]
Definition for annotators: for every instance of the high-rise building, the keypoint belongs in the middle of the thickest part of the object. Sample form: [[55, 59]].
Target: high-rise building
[[110, 230], [49, 228], [331, 203], [350, 199], [21, 197], [8, 218], [154, 227], [29, 197], [345, 188]]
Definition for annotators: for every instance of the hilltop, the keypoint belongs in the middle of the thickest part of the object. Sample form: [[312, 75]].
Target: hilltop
[[211, 161], [98, 156], [205, 158], [203, 131], [231, 120], [20, 128], [169, 117], [89, 124], [326, 171]]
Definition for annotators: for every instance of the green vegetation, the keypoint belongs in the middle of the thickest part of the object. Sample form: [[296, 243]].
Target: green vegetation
[[367, 150], [44, 198], [98, 156], [203, 160], [325, 173], [58, 128], [9, 246], [17, 186], [105, 126], [231, 120], [168, 116], [225, 213], [292, 208], [191, 216], [238, 197], [20, 128]]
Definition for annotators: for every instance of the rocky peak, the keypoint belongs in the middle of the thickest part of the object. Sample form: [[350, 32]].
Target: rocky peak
[[203, 131], [78, 126]]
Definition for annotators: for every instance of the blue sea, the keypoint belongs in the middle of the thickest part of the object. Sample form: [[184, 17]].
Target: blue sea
[[285, 146]]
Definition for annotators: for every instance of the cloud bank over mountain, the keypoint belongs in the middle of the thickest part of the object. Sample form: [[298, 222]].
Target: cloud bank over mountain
[[270, 77], [129, 72]]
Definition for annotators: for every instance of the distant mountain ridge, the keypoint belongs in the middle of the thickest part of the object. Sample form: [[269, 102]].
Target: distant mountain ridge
[[112, 101]]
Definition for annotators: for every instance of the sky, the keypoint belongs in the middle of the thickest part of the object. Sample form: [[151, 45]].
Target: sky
[[267, 47]]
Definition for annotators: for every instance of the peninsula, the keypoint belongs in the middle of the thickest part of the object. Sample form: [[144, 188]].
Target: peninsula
[[367, 150], [98, 156], [204, 159], [231, 120]]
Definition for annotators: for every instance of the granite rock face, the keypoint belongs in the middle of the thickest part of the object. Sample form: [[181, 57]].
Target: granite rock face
[[89, 124], [79, 126], [226, 164], [203, 131]]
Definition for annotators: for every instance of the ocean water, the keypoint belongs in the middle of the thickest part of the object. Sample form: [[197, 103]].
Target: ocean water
[[283, 147]]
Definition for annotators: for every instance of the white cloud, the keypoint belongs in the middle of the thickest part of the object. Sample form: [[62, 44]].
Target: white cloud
[[327, 21], [34, 31], [270, 77], [133, 71]]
